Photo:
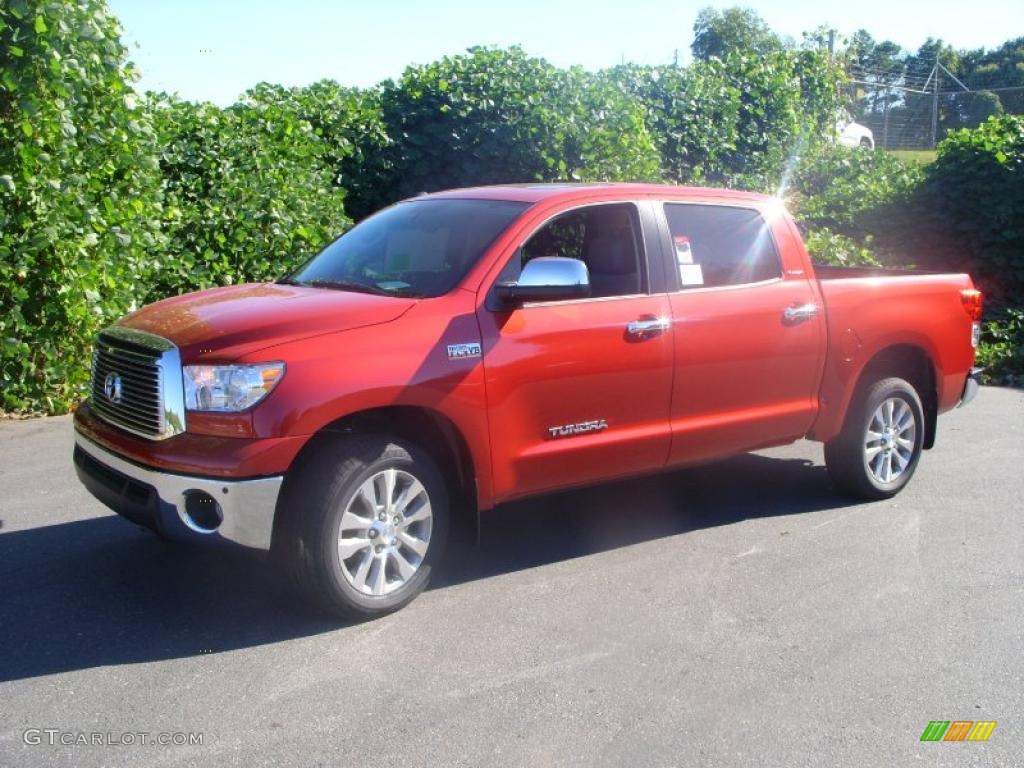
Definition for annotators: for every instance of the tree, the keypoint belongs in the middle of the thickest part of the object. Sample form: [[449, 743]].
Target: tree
[[979, 107], [1001, 68], [918, 66], [716, 34], [875, 67]]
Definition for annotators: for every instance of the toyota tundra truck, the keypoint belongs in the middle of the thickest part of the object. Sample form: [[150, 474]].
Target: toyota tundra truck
[[462, 349]]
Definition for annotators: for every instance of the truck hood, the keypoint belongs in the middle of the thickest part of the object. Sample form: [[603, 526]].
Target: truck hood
[[239, 319]]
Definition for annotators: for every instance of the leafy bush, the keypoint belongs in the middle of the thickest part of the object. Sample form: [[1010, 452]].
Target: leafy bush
[[853, 192], [739, 120], [828, 247], [498, 116], [79, 195], [962, 212], [1001, 351], [249, 193], [692, 114], [349, 124], [974, 195]]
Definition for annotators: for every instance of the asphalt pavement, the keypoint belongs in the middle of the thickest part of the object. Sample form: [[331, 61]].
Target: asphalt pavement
[[740, 613]]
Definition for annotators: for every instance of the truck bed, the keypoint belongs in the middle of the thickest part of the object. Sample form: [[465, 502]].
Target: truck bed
[[870, 309]]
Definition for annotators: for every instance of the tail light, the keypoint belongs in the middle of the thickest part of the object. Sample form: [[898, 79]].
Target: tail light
[[973, 303]]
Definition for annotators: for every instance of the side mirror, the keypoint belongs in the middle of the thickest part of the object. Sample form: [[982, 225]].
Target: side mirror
[[547, 278]]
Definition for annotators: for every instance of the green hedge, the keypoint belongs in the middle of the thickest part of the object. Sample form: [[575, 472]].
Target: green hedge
[[973, 197], [964, 211], [497, 116], [247, 193], [80, 197], [108, 200], [738, 121], [1001, 351]]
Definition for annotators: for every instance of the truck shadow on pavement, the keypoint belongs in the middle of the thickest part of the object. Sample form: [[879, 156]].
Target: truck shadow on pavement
[[102, 592]]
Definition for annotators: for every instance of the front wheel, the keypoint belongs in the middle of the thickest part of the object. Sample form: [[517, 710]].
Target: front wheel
[[878, 450], [365, 523]]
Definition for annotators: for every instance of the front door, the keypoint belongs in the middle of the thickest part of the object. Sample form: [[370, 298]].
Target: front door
[[579, 390]]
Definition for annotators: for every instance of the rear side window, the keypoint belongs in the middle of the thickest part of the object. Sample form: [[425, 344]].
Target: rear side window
[[715, 245]]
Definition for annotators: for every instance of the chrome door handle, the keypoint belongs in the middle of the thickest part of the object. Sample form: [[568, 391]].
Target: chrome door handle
[[799, 313], [641, 328]]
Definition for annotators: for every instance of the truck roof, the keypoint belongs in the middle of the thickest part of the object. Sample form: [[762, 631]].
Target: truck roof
[[536, 192]]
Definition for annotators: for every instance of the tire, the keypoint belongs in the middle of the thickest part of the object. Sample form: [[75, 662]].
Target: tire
[[876, 454], [337, 550], [865, 143]]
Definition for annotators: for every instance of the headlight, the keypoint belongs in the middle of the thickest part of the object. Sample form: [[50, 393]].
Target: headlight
[[229, 387]]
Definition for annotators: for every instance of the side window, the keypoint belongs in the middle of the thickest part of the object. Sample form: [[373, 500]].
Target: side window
[[717, 245], [604, 237]]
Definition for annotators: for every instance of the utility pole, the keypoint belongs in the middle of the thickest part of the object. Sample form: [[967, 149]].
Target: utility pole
[[935, 101], [885, 123], [831, 42]]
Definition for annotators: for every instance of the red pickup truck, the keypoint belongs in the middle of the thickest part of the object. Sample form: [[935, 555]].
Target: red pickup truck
[[465, 348]]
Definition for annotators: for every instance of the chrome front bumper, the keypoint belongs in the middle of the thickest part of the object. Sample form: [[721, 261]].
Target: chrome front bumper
[[971, 386], [157, 499]]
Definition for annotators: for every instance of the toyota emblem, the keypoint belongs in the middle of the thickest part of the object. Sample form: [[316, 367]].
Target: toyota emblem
[[112, 387]]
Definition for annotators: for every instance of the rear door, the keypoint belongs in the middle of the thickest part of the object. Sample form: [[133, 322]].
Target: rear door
[[748, 331], [576, 390]]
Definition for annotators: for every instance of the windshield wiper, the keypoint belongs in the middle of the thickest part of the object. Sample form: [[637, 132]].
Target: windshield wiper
[[344, 285], [351, 285], [357, 287]]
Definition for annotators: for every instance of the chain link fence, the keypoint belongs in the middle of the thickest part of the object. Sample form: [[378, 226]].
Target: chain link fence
[[915, 111]]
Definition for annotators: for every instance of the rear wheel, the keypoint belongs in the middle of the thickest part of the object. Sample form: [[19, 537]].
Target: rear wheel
[[365, 523], [877, 452]]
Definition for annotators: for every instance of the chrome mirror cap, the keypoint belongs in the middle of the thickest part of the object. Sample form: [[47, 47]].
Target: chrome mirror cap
[[547, 278], [554, 271]]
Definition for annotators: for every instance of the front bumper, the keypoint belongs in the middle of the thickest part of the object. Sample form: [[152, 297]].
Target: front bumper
[[971, 385], [158, 500]]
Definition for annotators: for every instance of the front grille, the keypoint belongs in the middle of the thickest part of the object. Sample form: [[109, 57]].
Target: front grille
[[127, 385]]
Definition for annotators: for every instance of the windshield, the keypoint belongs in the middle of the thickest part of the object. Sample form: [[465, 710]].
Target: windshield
[[416, 248]]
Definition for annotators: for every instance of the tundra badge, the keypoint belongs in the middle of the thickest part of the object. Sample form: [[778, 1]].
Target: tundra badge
[[568, 430]]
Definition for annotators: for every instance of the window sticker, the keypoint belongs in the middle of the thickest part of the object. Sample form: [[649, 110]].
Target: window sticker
[[683, 253], [691, 274]]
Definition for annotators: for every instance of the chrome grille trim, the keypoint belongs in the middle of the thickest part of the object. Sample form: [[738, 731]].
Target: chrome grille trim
[[152, 403]]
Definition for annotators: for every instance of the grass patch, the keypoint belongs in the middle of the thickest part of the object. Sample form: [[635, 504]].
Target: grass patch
[[922, 156]]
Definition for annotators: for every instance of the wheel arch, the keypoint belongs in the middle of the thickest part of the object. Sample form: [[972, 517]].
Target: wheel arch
[[425, 427], [915, 365]]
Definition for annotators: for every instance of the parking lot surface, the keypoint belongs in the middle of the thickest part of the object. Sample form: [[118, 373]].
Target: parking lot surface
[[740, 613]]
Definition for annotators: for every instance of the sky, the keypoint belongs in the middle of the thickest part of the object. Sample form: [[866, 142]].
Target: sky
[[214, 50]]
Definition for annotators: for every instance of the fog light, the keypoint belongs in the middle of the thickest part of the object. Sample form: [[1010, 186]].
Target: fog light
[[202, 511]]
